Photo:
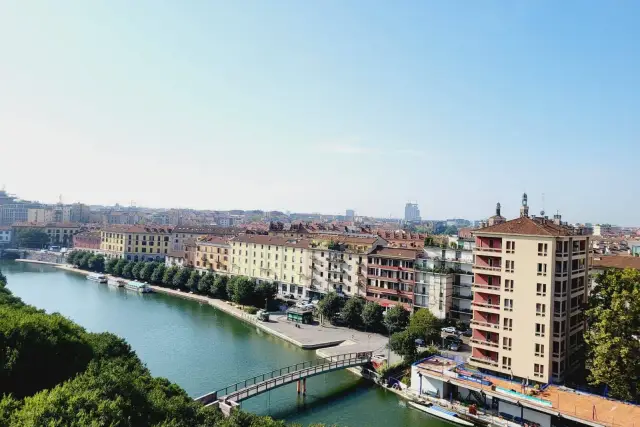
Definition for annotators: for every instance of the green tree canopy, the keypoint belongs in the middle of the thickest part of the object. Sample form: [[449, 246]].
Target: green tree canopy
[[158, 274], [32, 238], [404, 344], [181, 278], [110, 267], [352, 311], [96, 263], [194, 279], [127, 270], [119, 268], [425, 325], [396, 319], [330, 305], [244, 292], [205, 283], [169, 274], [219, 288], [137, 268], [264, 291], [372, 316], [147, 271], [613, 333]]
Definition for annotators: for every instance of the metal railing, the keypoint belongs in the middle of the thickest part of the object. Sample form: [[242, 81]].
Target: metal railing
[[260, 383]]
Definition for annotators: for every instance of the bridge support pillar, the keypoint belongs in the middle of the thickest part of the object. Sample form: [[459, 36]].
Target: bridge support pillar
[[304, 386], [298, 386]]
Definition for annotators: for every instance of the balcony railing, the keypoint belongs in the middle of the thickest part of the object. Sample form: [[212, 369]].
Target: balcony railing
[[487, 267], [386, 267], [484, 360], [460, 296], [483, 288], [461, 310], [486, 249], [483, 305], [484, 342], [485, 324]]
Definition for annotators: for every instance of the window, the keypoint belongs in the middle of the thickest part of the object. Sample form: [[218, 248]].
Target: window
[[507, 324], [510, 265], [539, 350], [506, 343], [508, 285], [511, 246], [541, 309], [506, 362], [508, 304], [541, 289], [538, 370], [539, 330], [542, 269], [542, 249]]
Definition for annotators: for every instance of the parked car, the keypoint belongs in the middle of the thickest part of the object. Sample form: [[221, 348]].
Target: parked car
[[449, 330], [452, 339], [467, 333], [454, 346]]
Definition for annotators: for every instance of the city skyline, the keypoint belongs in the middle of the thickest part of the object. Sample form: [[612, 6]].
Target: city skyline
[[323, 107]]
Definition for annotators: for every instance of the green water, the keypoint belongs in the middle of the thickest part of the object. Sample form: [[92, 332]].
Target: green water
[[203, 349]]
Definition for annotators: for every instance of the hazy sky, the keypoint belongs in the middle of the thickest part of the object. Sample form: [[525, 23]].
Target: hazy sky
[[325, 105]]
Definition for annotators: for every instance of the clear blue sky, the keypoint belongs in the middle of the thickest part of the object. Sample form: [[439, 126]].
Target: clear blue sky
[[325, 105]]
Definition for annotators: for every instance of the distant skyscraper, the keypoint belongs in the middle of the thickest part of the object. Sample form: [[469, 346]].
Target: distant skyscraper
[[350, 214], [411, 212]]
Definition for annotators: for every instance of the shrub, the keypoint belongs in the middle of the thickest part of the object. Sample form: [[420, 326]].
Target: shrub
[[251, 310]]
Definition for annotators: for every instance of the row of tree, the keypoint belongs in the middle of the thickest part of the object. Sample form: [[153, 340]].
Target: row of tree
[[57, 373], [239, 289]]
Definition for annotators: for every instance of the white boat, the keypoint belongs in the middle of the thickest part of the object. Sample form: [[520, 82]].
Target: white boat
[[137, 286], [118, 283], [441, 413], [96, 277]]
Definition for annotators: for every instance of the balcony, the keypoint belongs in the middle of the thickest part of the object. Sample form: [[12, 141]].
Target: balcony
[[479, 287], [485, 325], [388, 291], [388, 303], [484, 268], [484, 361], [458, 309], [486, 249], [483, 306], [385, 267], [458, 295], [484, 343]]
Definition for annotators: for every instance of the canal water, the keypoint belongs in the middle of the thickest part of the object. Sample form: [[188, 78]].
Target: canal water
[[203, 349]]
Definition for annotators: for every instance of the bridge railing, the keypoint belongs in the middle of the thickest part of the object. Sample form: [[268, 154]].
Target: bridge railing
[[327, 364], [290, 369]]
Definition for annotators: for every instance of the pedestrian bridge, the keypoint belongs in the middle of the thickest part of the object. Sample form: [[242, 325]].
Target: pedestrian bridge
[[235, 393]]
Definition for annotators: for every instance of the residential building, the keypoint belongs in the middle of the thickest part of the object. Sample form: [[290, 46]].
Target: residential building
[[39, 215], [13, 210], [80, 213], [175, 259], [60, 233], [212, 254], [5, 236], [87, 241], [350, 214], [601, 263], [390, 276], [183, 233], [135, 242], [402, 238], [530, 289], [411, 212], [283, 260]]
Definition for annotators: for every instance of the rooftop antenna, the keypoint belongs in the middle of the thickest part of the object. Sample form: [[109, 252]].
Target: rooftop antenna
[[542, 211]]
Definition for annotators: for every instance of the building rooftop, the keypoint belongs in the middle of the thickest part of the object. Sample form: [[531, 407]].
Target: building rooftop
[[139, 228], [260, 239], [616, 261], [212, 230], [397, 253], [527, 226], [213, 240], [48, 225]]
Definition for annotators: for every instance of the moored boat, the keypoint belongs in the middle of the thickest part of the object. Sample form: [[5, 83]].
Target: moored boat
[[440, 412], [97, 277], [118, 283], [137, 286]]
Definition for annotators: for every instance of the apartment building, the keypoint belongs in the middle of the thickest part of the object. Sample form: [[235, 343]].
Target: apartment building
[[60, 233], [530, 288], [182, 233], [390, 276], [87, 241], [135, 242], [284, 260], [338, 264], [211, 254], [5, 236]]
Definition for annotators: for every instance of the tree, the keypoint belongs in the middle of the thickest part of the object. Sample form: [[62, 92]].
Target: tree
[[127, 270], [82, 261], [168, 275], [137, 268], [244, 292], [110, 268], [205, 283], [330, 305], [96, 263], [264, 292], [194, 279], [158, 274], [181, 277], [71, 257], [396, 319], [119, 268], [613, 318], [404, 344], [219, 287], [352, 311], [372, 316], [147, 271], [425, 325], [32, 238]]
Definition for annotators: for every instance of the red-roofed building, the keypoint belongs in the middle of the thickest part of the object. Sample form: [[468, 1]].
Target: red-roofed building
[[390, 276]]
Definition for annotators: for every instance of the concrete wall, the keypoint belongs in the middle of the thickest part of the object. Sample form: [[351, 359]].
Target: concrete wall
[[543, 419], [430, 386]]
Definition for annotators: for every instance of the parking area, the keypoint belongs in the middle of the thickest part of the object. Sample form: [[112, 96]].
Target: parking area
[[460, 350]]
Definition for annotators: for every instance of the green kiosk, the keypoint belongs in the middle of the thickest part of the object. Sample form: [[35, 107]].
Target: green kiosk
[[300, 315]]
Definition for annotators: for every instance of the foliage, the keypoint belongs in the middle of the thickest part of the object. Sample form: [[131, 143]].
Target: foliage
[[372, 315], [264, 291], [119, 268], [219, 288], [32, 238], [137, 268], [612, 335], [404, 344], [352, 311], [396, 319], [147, 271], [181, 278], [330, 305], [244, 290], [250, 309], [71, 257], [167, 277], [127, 270], [425, 325], [96, 263], [205, 283], [110, 268], [158, 273], [192, 283]]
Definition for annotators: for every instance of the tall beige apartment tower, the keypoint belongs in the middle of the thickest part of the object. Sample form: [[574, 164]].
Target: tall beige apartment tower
[[529, 293]]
